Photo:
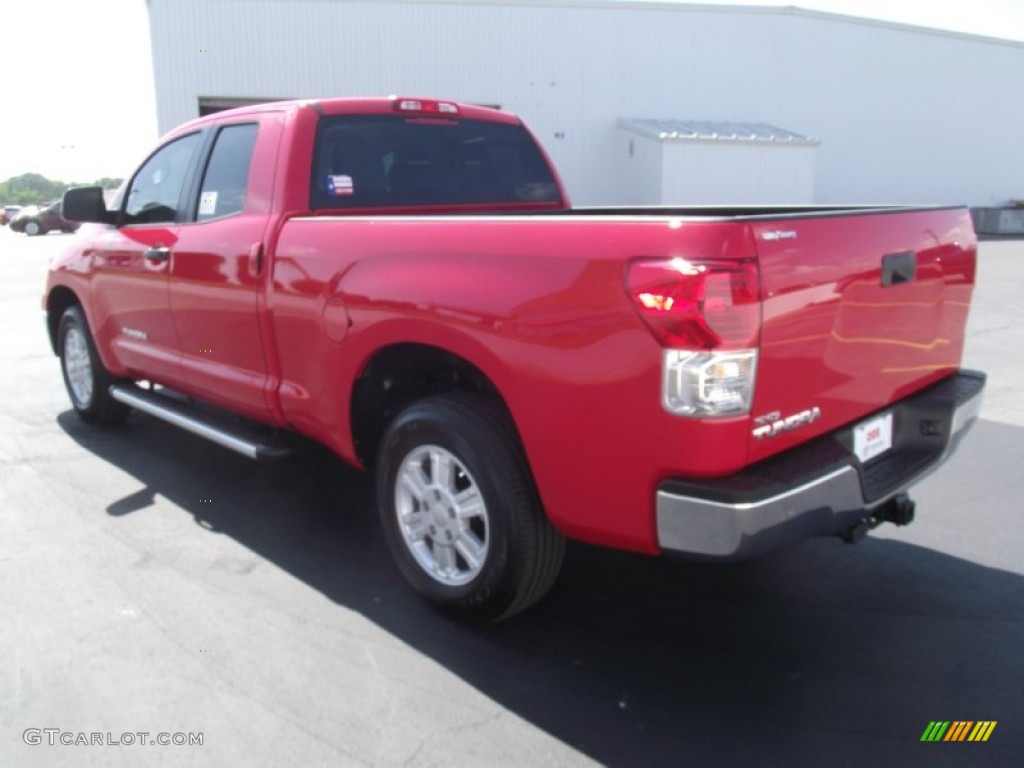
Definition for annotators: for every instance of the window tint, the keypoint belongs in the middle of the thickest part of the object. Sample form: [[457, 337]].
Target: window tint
[[389, 160], [227, 174], [155, 191]]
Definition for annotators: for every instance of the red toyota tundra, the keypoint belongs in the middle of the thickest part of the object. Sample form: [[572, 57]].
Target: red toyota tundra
[[404, 281]]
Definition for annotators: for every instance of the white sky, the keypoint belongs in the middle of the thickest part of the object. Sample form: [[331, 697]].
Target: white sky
[[78, 100]]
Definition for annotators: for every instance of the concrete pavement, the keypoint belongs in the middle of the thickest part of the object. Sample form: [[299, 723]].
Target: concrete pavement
[[151, 582]]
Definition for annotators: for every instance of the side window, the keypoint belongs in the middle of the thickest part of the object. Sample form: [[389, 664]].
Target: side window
[[227, 173], [155, 191]]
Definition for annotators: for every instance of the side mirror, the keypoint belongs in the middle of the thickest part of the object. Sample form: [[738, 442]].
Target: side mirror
[[86, 204]]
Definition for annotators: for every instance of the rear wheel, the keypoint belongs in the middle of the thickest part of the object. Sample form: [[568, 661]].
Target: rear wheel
[[460, 512], [33, 228], [85, 378]]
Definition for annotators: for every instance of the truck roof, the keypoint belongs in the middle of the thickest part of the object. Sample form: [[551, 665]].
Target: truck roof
[[357, 106]]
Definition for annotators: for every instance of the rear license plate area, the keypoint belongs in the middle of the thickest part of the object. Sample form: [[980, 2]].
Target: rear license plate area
[[873, 437]]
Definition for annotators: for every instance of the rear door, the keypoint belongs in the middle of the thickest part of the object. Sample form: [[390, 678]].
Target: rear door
[[217, 268], [860, 310]]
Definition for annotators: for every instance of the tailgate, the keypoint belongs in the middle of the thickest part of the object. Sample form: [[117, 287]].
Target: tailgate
[[860, 309]]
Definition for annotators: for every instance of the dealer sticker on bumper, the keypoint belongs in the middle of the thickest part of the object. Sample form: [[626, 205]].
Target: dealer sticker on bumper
[[873, 437]]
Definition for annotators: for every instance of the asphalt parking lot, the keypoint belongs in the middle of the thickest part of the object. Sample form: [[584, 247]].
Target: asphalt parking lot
[[151, 582]]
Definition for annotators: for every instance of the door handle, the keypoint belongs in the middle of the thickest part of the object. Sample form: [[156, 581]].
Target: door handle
[[898, 268], [157, 254], [256, 259]]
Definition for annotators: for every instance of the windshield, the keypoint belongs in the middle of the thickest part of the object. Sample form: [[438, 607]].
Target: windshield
[[398, 160]]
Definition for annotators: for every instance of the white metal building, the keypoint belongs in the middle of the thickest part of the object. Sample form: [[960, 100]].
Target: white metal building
[[702, 163], [884, 112]]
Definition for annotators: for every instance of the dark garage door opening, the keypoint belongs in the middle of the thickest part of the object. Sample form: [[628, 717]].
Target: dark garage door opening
[[208, 105]]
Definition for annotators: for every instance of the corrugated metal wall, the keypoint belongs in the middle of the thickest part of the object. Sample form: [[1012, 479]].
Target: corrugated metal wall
[[904, 115]]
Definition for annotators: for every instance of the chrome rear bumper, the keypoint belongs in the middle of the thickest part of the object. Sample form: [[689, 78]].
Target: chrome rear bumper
[[819, 489]]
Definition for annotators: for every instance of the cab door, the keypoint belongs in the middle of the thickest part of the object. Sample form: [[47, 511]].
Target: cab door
[[131, 307], [218, 275]]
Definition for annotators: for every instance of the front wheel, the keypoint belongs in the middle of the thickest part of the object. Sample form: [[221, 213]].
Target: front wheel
[[85, 378], [33, 228], [460, 512]]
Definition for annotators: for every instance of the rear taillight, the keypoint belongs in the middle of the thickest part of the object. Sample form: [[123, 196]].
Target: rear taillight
[[707, 314], [703, 304], [708, 384]]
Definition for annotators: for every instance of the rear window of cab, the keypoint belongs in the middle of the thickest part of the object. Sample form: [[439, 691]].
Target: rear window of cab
[[398, 160]]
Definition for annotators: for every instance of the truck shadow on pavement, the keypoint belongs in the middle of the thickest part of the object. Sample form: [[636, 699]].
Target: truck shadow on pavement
[[825, 654]]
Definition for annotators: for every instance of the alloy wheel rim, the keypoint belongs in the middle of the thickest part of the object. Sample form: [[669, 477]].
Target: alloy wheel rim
[[442, 515], [78, 366]]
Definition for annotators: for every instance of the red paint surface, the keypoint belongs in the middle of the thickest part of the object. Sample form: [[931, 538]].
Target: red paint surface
[[538, 303]]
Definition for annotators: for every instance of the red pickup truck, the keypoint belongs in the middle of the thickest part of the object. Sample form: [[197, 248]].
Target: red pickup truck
[[403, 280]]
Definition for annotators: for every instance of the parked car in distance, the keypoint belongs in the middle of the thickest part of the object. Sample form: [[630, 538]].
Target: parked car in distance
[[8, 213], [33, 220]]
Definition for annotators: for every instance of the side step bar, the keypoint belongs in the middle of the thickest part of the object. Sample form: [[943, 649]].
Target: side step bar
[[246, 440]]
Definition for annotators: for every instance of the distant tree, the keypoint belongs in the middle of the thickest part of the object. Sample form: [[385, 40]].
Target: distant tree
[[29, 189], [34, 188], [108, 182]]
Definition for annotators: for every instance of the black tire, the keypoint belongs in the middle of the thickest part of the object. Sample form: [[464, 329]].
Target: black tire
[[522, 551], [85, 378], [33, 228]]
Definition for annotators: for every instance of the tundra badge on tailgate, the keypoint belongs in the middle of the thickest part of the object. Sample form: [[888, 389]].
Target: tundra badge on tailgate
[[772, 424]]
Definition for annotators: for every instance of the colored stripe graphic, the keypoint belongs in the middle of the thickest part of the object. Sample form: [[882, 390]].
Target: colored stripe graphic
[[982, 730], [958, 730]]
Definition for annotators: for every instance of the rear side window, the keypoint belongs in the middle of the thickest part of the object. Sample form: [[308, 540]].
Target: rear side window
[[226, 179], [395, 160]]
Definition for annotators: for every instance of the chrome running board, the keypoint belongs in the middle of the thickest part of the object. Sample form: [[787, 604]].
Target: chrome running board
[[241, 438]]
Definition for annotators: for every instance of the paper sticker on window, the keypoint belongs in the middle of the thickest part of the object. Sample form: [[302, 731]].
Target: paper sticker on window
[[207, 203], [339, 185]]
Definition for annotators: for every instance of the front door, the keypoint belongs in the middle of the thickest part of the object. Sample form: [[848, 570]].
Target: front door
[[131, 265]]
